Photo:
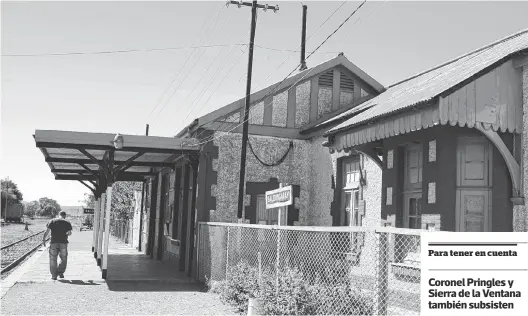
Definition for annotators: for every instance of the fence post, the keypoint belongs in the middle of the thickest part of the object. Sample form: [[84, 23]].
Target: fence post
[[382, 280], [227, 252]]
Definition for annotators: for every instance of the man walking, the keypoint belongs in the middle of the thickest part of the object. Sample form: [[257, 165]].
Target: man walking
[[60, 230]]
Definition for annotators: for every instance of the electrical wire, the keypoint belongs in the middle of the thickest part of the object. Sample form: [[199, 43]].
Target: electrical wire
[[216, 89], [291, 55], [278, 86], [123, 51], [183, 80], [158, 102], [202, 92]]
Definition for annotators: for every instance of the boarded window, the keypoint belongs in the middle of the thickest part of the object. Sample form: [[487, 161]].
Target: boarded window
[[256, 113], [302, 104], [346, 94], [324, 100], [280, 109]]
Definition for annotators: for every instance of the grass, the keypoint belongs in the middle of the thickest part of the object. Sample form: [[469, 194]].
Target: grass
[[12, 232]]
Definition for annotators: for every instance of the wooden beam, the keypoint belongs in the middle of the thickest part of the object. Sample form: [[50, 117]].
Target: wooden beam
[[122, 177], [336, 89], [88, 161], [90, 170], [184, 149], [90, 156], [511, 163], [126, 164], [96, 173], [86, 185]]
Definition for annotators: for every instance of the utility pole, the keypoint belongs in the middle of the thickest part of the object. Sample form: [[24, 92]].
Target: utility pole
[[245, 126], [303, 39]]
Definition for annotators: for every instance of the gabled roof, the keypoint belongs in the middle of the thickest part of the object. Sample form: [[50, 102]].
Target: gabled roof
[[428, 85], [340, 60]]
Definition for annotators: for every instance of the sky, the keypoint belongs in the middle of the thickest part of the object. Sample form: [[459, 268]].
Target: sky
[[168, 88]]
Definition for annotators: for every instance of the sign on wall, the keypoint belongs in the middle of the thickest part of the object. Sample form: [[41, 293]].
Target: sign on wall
[[279, 197], [89, 211]]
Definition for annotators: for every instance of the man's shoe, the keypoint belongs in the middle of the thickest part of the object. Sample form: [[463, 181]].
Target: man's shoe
[[54, 278], [61, 275]]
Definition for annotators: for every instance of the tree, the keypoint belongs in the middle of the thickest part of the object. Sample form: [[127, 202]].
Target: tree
[[123, 200], [89, 200], [10, 191], [49, 207], [32, 208]]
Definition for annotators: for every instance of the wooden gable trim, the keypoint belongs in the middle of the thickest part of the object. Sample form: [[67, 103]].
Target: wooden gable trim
[[305, 75], [261, 93], [320, 123], [261, 130]]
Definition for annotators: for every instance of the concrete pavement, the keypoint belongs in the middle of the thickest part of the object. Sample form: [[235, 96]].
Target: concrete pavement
[[30, 290]]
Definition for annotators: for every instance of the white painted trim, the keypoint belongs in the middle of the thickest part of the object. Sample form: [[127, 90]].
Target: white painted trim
[[96, 224], [100, 228], [108, 206]]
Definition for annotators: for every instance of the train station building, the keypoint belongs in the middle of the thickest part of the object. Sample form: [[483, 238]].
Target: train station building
[[442, 150]]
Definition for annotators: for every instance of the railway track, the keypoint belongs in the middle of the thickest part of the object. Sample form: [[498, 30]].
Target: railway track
[[14, 253]]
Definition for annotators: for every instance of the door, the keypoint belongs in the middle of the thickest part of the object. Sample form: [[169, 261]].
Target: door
[[412, 210], [271, 216], [474, 181]]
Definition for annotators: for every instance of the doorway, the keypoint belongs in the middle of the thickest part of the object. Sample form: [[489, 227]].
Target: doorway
[[474, 184]]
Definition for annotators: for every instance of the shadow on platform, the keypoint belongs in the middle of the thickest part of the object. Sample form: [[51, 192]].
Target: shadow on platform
[[79, 282], [145, 286]]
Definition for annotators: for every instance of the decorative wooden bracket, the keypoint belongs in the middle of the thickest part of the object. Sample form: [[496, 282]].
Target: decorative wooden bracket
[[369, 152], [511, 163]]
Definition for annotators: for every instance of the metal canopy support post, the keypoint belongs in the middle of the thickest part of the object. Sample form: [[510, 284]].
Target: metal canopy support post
[[107, 229], [100, 229]]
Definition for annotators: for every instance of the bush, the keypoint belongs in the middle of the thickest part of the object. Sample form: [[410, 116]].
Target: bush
[[241, 284], [293, 296], [339, 299]]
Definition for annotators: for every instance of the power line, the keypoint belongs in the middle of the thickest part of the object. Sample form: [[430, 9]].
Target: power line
[[123, 51], [187, 60], [183, 80], [278, 86], [291, 55]]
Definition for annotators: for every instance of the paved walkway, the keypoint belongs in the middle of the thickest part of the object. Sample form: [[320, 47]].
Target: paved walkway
[[136, 285]]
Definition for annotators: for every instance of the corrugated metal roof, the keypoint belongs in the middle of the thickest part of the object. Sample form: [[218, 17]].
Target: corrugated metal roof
[[428, 85]]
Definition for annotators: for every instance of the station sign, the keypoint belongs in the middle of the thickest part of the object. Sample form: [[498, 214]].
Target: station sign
[[279, 197], [89, 211]]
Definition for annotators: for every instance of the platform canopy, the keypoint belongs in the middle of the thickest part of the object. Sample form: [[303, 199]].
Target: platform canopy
[[95, 158]]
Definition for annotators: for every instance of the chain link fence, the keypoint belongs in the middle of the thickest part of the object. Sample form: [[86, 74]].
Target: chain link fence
[[351, 270]]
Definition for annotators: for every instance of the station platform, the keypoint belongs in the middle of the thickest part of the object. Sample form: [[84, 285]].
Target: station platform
[[135, 285]]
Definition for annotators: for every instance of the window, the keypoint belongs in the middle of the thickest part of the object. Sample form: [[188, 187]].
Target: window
[[413, 167], [351, 176], [352, 216], [271, 216]]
